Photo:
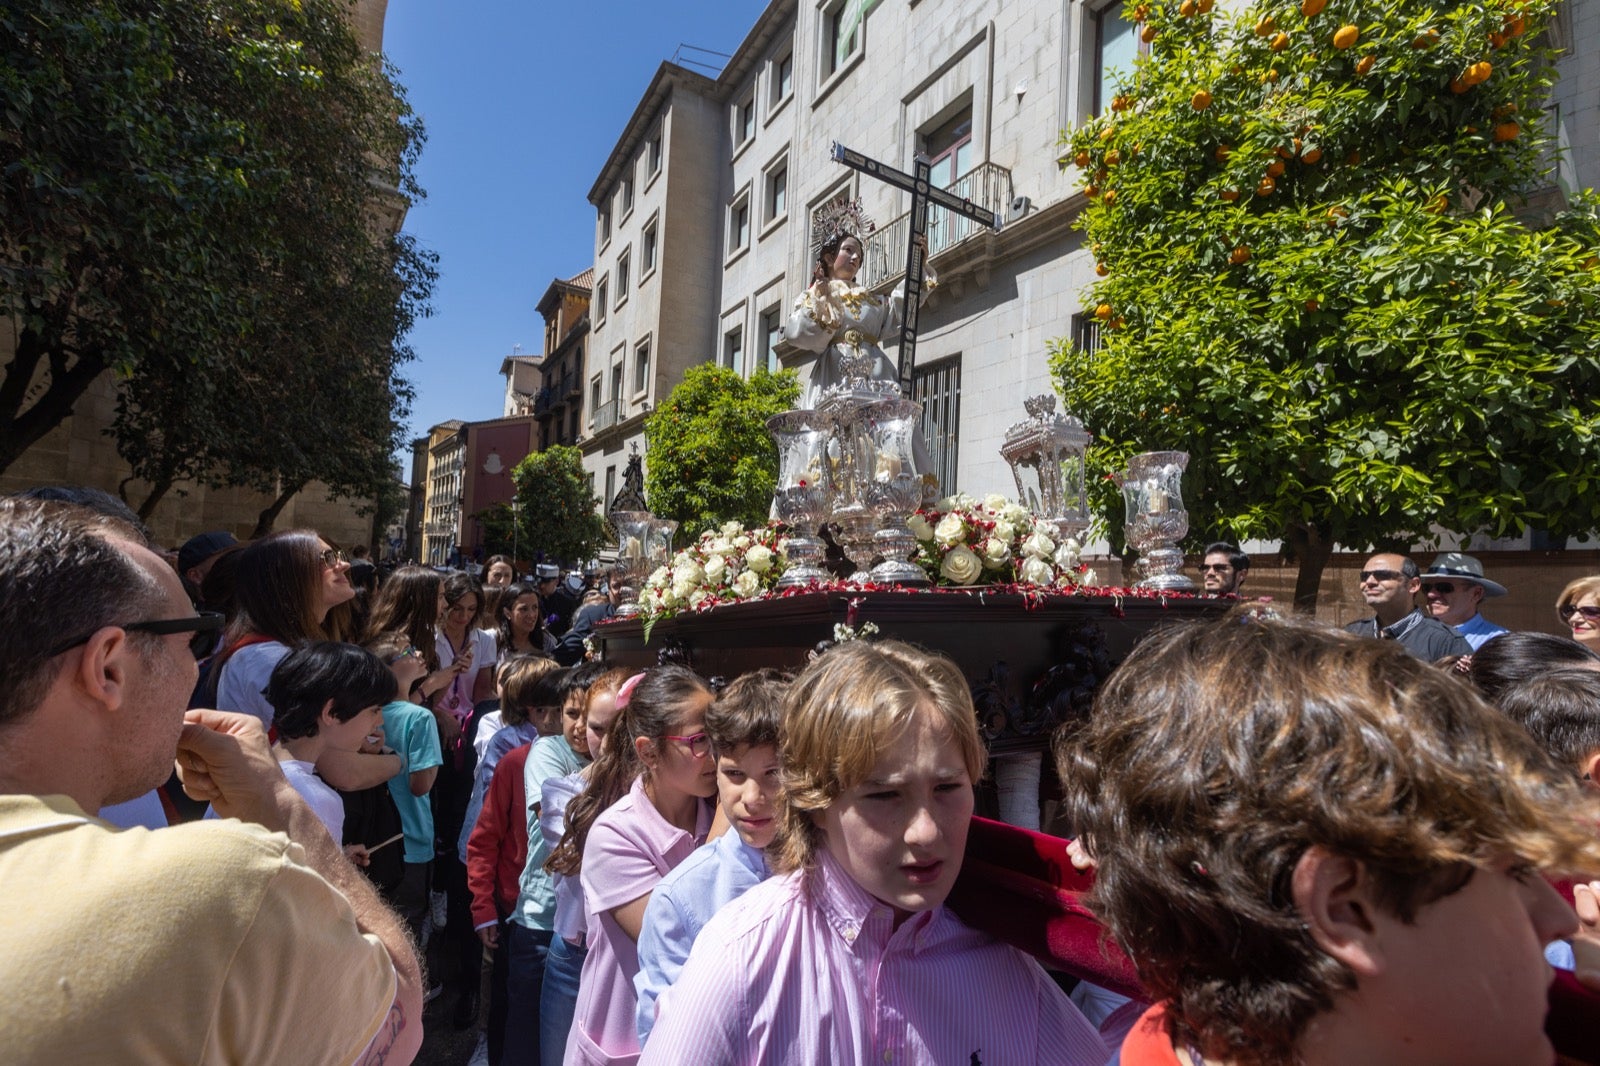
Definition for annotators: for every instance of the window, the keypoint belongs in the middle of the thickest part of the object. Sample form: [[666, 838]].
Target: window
[[739, 223], [616, 382], [624, 262], [733, 350], [653, 155], [744, 120], [839, 39], [1116, 47], [641, 367], [937, 386], [772, 333], [1086, 332], [627, 196], [572, 427], [647, 249], [782, 78], [948, 146], [605, 226], [601, 289], [777, 194], [611, 484], [594, 397]]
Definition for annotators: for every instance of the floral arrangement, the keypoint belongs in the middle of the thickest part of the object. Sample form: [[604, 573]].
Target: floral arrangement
[[724, 565], [967, 541]]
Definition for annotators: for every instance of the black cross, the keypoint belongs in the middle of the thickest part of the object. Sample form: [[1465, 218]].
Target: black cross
[[920, 185]]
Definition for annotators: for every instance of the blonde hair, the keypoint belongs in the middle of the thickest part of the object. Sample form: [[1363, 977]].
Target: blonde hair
[[843, 711], [1577, 590]]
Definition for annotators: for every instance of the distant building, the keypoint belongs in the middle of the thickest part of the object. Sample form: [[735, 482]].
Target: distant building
[[441, 530]]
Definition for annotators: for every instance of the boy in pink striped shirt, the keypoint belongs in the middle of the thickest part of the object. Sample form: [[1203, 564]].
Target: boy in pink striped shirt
[[848, 955]]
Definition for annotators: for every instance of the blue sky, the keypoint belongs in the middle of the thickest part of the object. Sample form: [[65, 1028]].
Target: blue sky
[[522, 102]]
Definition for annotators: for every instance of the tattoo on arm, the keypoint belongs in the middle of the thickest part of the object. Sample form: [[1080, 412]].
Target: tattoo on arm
[[382, 1044]]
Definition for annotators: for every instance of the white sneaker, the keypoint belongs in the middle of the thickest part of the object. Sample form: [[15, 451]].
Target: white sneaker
[[441, 908]]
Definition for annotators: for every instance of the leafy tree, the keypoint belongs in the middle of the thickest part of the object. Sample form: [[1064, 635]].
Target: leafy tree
[[191, 190], [557, 513], [710, 458], [1314, 277]]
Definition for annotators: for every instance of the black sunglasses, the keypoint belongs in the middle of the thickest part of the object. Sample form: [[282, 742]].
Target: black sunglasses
[[1221, 568], [1381, 575], [1446, 587], [1567, 610], [204, 626]]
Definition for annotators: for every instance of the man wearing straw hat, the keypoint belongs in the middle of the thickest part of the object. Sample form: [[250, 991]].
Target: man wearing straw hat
[[1453, 587]]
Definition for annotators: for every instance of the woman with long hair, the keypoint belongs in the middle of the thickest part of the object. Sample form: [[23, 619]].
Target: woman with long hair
[[647, 807], [519, 623], [285, 586], [410, 603]]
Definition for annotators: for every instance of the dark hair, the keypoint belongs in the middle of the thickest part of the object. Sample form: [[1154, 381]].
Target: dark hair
[[1561, 710], [99, 501], [749, 712], [494, 560], [219, 588], [61, 577], [309, 676], [457, 587], [1236, 558], [408, 602], [502, 617], [580, 677], [653, 710], [276, 586], [1514, 658], [1219, 754], [830, 248]]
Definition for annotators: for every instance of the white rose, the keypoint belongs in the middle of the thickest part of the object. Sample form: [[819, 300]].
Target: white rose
[[742, 542], [1087, 578], [1037, 572], [720, 546], [961, 566], [716, 569], [959, 502], [731, 528], [995, 552], [1017, 515], [995, 502], [747, 584], [680, 591], [919, 527], [698, 598], [1067, 555], [950, 530], [758, 558], [1004, 530], [783, 548], [1038, 546], [688, 572], [660, 577]]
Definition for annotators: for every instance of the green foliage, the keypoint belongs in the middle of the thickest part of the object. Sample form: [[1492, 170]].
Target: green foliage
[[710, 458], [194, 198], [1316, 283], [556, 510]]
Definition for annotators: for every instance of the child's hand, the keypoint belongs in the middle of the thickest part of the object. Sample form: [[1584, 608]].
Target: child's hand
[[1081, 859], [373, 743], [1586, 942], [490, 935]]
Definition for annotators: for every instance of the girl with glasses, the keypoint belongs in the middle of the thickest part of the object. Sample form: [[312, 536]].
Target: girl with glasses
[[647, 807]]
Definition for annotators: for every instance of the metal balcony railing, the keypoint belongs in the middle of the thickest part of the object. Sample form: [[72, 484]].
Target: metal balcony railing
[[987, 184], [607, 414]]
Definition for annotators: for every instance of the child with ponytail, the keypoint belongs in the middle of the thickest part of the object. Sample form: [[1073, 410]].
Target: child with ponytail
[[646, 808]]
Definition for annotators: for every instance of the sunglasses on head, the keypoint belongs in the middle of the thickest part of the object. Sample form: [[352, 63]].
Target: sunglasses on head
[[1381, 575], [1567, 610], [203, 627]]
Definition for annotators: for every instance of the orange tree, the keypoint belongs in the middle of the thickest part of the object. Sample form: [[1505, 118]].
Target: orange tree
[[1319, 276]]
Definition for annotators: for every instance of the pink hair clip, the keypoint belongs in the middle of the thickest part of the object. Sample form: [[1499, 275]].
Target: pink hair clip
[[625, 693]]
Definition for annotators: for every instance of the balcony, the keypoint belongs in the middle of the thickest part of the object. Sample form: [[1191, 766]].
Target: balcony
[[542, 401], [987, 185], [607, 415]]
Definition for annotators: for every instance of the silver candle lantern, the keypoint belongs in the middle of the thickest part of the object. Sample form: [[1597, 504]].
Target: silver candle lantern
[[895, 489], [801, 499], [1046, 454]]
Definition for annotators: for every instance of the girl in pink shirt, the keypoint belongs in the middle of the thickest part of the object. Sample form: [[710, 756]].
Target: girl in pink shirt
[[646, 808], [848, 954]]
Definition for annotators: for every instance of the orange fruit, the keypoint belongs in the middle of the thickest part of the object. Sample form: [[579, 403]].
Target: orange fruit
[[1479, 72], [1081, 159], [1507, 131], [1459, 86], [1275, 169], [1091, 191], [1103, 312], [1239, 255], [1497, 40], [1353, 159], [1141, 13], [1426, 39], [1270, 76], [1280, 42], [1200, 100], [1147, 34], [1437, 205], [1204, 6], [1187, 8], [1312, 8], [1503, 110], [1336, 214], [1108, 133], [1312, 304], [1113, 157], [1365, 65], [1100, 268], [1222, 153], [1230, 195], [1265, 187], [1345, 36], [1118, 322], [1265, 27], [1109, 198], [1311, 155]]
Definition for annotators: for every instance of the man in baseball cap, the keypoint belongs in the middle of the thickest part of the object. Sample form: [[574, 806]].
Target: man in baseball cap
[[197, 555], [1453, 587]]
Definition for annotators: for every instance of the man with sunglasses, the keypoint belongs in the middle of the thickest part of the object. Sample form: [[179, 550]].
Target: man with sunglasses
[[1452, 589], [1223, 569], [1389, 584], [205, 942]]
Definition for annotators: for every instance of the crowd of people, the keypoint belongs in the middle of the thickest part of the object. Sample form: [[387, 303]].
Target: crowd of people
[[1306, 845]]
